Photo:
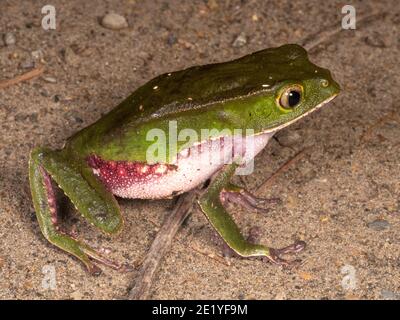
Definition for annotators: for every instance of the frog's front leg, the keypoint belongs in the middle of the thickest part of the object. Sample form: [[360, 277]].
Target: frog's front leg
[[235, 194], [212, 206], [89, 196]]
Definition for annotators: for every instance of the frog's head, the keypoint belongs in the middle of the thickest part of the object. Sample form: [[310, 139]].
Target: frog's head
[[292, 87]]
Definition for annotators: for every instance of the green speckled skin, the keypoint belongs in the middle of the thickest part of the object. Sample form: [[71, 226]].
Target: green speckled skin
[[225, 95], [240, 94]]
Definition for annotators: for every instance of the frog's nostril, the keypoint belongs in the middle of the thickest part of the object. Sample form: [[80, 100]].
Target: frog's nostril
[[324, 83]]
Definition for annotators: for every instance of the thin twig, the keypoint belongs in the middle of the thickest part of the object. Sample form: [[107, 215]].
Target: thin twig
[[210, 255], [282, 169], [23, 77], [160, 246], [314, 40], [368, 133]]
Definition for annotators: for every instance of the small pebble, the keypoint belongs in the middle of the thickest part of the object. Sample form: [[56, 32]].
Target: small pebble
[[289, 138], [9, 39], [114, 21], [240, 41], [50, 79], [37, 54], [45, 93], [396, 18], [241, 296], [378, 40], [171, 40], [33, 118], [280, 296], [13, 55], [27, 64], [389, 295], [76, 295], [378, 225], [69, 56], [212, 4], [255, 234], [57, 98], [79, 120]]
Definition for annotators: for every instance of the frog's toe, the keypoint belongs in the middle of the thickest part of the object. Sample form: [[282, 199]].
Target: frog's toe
[[94, 270], [248, 200], [100, 258], [295, 247], [275, 255], [226, 250]]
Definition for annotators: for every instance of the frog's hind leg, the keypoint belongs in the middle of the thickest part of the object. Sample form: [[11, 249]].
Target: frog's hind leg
[[212, 206], [88, 195], [235, 194]]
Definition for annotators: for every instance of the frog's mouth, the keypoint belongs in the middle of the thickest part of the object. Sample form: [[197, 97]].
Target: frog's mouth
[[264, 135], [275, 129]]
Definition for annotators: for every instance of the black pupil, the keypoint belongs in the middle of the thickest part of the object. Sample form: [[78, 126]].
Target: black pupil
[[293, 98]]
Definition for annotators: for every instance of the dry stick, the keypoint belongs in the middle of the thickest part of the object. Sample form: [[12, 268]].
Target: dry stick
[[314, 40], [23, 77], [211, 256], [174, 220], [160, 246], [179, 239], [368, 133], [282, 169]]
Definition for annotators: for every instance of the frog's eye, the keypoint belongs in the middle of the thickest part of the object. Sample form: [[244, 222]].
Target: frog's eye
[[291, 97]]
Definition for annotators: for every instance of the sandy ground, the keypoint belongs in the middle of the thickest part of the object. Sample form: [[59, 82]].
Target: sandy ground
[[342, 197]]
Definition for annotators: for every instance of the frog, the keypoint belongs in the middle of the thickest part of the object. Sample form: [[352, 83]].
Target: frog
[[256, 95]]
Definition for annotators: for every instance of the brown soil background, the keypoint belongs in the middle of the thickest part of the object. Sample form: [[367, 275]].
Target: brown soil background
[[349, 178]]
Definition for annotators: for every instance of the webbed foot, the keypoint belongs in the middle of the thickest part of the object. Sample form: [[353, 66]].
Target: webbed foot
[[276, 254], [235, 194]]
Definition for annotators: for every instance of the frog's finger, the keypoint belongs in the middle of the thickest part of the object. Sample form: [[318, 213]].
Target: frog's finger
[[223, 223], [44, 164], [240, 199], [235, 194], [95, 255]]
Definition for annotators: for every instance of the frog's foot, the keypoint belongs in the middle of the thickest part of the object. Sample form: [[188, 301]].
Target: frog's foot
[[276, 254], [84, 252], [212, 206], [86, 193], [97, 256], [246, 199]]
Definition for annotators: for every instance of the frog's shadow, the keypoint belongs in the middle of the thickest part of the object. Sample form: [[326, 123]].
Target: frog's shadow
[[21, 202]]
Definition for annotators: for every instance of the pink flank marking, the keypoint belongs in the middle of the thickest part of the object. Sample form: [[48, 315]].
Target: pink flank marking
[[191, 167], [118, 175]]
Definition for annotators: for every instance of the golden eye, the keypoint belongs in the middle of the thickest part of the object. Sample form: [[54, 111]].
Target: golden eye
[[291, 97]]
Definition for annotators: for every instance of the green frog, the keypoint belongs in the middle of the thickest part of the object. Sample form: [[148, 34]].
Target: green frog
[[173, 134]]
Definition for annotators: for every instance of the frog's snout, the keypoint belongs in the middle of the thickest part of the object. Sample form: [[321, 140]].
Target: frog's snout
[[330, 85]]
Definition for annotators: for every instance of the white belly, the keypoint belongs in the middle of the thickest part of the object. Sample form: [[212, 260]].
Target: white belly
[[193, 167]]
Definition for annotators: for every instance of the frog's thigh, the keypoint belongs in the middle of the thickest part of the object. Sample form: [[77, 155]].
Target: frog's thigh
[[91, 199], [212, 207]]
